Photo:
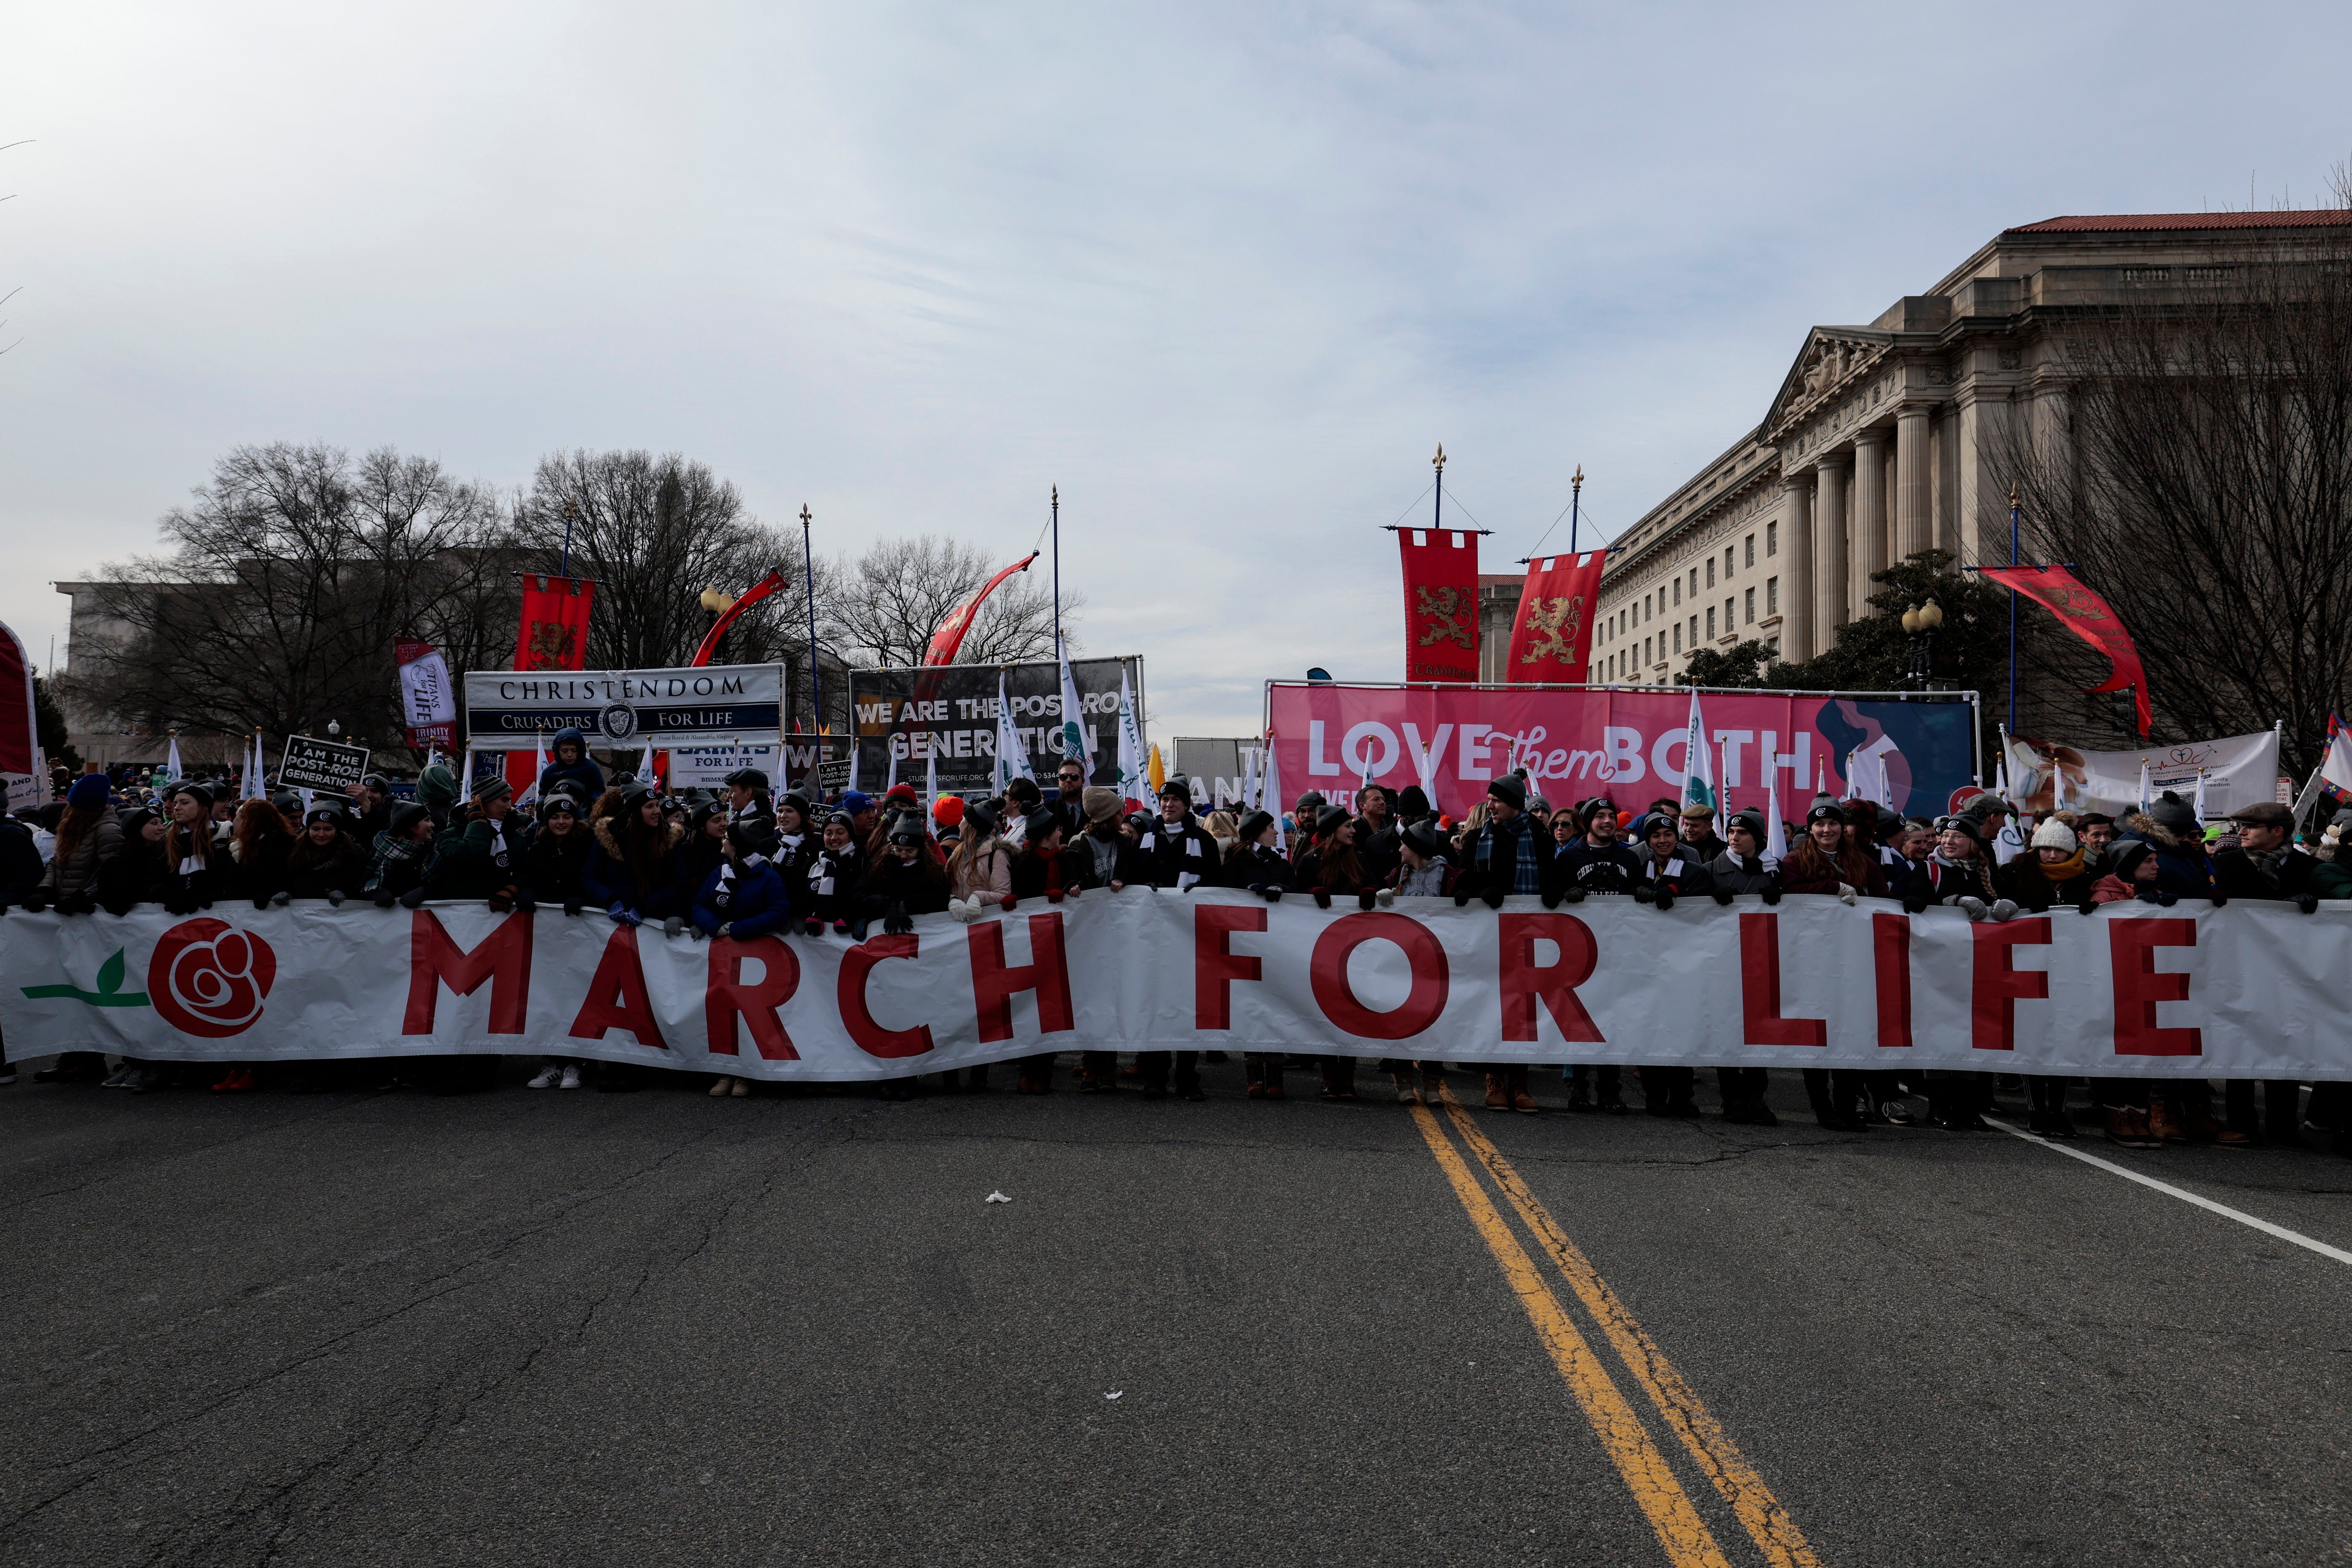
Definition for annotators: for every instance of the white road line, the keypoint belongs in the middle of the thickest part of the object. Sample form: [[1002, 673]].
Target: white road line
[[2265, 1226]]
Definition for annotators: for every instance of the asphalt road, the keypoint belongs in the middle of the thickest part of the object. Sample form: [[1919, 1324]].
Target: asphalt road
[[527, 1328]]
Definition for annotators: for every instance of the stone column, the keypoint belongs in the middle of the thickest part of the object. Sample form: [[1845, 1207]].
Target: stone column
[[1828, 550], [1869, 551], [1796, 569], [1914, 488]]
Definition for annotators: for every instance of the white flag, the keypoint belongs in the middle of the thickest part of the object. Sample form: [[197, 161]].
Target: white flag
[[1132, 782], [1776, 833], [2009, 843], [1076, 741], [1272, 786], [1699, 759], [1011, 756], [645, 767], [2200, 800], [2144, 802], [931, 785], [171, 763], [1251, 793]]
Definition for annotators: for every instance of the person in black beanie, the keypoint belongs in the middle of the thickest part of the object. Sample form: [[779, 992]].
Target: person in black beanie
[[1256, 866]]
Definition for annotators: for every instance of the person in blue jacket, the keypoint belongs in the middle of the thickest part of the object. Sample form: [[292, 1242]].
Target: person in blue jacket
[[744, 898], [571, 763]]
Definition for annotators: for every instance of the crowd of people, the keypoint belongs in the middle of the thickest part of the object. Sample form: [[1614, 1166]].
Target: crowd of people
[[748, 861]]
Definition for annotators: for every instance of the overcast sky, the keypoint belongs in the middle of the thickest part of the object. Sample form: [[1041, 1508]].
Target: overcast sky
[[1227, 274]]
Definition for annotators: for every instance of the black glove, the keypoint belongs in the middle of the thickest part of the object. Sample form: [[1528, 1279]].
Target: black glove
[[122, 907], [574, 906], [1369, 896], [2219, 899], [384, 899], [36, 901], [1665, 899], [501, 901], [414, 898], [1551, 897], [2307, 904], [1642, 893], [1461, 894], [262, 901], [1772, 892], [1723, 896], [1322, 898], [335, 897], [525, 903], [179, 904], [1572, 894], [897, 921], [1493, 896], [2085, 907], [1273, 893]]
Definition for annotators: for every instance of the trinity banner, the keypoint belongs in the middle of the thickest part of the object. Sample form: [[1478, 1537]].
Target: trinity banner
[[2247, 991]]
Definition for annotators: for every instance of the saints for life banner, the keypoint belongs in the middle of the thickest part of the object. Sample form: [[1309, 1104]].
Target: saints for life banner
[[428, 701], [1631, 745], [2239, 771], [2251, 990], [711, 705]]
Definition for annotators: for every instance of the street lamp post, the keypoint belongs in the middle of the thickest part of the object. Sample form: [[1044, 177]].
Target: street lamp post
[[1919, 624]]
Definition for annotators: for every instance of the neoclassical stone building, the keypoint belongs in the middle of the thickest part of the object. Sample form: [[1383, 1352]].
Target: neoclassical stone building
[[1882, 440]]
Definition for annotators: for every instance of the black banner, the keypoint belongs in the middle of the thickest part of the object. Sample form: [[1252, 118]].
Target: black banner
[[949, 711], [321, 765]]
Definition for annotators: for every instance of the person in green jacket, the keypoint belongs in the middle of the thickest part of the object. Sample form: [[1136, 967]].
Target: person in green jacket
[[479, 854]]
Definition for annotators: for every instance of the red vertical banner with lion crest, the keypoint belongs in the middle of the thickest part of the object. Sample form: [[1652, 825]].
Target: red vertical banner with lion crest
[[1441, 603], [2088, 618], [1552, 639], [555, 632]]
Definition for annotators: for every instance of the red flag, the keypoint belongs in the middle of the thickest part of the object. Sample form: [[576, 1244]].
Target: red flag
[[554, 634], [949, 637], [757, 590], [1441, 603], [1552, 639], [2087, 616]]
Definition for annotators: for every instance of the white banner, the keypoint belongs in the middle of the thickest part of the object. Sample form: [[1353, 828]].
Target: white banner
[[2239, 769], [2247, 991], [707, 767], [713, 704]]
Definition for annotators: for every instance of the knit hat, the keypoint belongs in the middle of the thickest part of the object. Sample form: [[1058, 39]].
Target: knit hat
[[1423, 837], [136, 823], [841, 819], [634, 796], [2174, 814], [1178, 788], [1329, 820], [437, 788], [752, 835], [1967, 825], [2053, 834], [905, 828], [1101, 804], [89, 792], [1824, 809], [854, 803], [1309, 803], [901, 791], [1040, 826], [405, 816], [560, 801], [799, 802], [1511, 790], [947, 811], [490, 787], [329, 815], [2125, 858], [979, 815], [1411, 804], [1254, 826], [1538, 802], [1751, 819], [1656, 820], [203, 797]]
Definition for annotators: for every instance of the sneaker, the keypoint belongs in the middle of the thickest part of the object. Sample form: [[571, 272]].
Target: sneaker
[[1404, 1093], [118, 1078], [571, 1078], [546, 1076], [1897, 1113], [741, 1089], [143, 1080]]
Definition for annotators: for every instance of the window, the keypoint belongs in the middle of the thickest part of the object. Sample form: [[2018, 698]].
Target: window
[[1751, 550], [1678, 590], [1731, 616], [1646, 607], [1710, 570], [1773, 645], [1751, 607], [1771, 595], [1678, 636], [1710, 620], [1695, 582], [1772, 538], [1727, 562], [1694, 642], [1645, 651]]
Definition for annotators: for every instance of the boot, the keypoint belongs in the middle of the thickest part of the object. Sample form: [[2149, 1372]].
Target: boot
[[1827, 1113], [2127, 1128], [1432, 1086], [1404, 1093], [1498, 1097], [1274, 1065], [2163, 1126], [1580, 1095], [1254, 1077], [2202, 1128], [975, 1079]]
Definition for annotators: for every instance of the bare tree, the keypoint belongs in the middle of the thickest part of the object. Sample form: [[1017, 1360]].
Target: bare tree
[[2196, 471], [288, 580], [884, 607], [655, 532]]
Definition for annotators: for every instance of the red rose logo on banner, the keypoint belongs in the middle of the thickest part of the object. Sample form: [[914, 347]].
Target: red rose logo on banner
[[208, 979]]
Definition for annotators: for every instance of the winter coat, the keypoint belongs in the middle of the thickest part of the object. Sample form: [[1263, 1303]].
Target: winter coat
[[1447, 876], [2113, 889], [20, 863], [1683, 874], [752, 902], [203, 873], [1816, 873], [395, 866], [1254, 866], [2022, 882], [1037, 876], [698, 855], [1377, 847], [1317, 869], [1088, 854], [583, 773], [1605, 869], [1177, 854], [1936, 880], [1706, 851], [79, 873], [1492, 859], [792, 862], [313, 872], [610, 879], [832, 883], [134, 876], [2237, 875], [920, 886], [987, 871], [1731, 874], [475, 859], [552, 868], [261, 868], [2182, 867]]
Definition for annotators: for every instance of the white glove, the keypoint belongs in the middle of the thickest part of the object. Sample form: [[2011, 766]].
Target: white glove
[[1388, 897], [280, 898], [963, 912], [2002, 909], [727, 929], [1845, 895], [1974, 905]]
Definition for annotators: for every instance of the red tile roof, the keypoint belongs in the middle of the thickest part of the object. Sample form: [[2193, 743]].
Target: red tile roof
[[2125, 223]]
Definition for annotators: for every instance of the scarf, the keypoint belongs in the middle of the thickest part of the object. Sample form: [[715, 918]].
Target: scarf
[[723, 896], [2065, 870]]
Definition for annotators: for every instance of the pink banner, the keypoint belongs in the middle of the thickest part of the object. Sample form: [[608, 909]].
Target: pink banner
[[1627, 745]]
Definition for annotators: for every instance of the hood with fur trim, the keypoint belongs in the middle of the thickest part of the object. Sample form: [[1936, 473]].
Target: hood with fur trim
[[2149, 828], [673, 835]]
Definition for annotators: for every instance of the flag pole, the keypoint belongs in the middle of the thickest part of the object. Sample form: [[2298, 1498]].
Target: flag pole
[[1575, 496], [1437, 502], [816, 677], [2013, 608], [1058, 570]]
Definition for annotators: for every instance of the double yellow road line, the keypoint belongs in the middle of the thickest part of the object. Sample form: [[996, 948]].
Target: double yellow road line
[[1688, 1542]]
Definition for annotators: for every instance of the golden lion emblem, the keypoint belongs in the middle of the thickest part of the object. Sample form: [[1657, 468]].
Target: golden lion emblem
[[1446, 618], [1557, 621], [552, 643]]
